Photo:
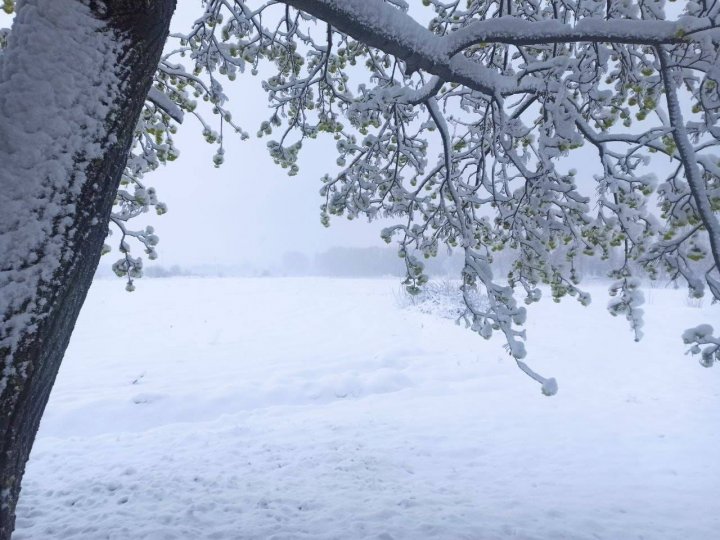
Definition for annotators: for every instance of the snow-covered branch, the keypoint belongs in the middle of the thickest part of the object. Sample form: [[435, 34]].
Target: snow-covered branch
[[461, 128]]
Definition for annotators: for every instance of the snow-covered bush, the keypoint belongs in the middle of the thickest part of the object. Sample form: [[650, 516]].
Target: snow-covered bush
[[441, 298]]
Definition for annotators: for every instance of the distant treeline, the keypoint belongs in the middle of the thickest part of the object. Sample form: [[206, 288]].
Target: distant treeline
[[364, 262]]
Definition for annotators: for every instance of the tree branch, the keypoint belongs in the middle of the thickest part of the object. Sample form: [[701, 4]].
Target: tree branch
[[689, 159]]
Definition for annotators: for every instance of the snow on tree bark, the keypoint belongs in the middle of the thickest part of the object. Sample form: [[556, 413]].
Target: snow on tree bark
[[73, 80]]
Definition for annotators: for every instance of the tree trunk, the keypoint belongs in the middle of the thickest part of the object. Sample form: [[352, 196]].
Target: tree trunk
[[73, 80]]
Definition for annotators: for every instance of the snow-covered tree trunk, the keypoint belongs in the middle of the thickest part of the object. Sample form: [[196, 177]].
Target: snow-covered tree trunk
[[73, 80]]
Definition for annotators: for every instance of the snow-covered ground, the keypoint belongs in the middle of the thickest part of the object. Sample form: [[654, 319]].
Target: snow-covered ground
[[319, 408]]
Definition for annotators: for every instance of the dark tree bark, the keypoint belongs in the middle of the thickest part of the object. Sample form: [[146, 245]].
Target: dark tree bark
[[141, 28]]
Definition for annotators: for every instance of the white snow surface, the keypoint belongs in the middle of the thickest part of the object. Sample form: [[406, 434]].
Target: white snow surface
[[322, 409]]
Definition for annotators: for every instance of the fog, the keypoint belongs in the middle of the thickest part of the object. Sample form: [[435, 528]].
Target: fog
[[248, 211]]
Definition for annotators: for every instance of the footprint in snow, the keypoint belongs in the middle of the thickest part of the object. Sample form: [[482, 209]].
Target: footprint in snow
[[140, 399]]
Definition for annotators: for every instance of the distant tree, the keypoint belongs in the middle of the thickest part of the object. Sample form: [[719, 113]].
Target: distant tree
[[458, 128], [358, 262], [295, 263]]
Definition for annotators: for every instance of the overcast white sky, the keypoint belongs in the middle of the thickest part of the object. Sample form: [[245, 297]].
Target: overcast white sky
[[248, 209]]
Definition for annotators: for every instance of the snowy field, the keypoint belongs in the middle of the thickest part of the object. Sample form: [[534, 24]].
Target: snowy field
[[322, 409]]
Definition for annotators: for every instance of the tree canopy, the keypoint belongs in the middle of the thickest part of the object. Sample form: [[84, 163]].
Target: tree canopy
[[462, 120]]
